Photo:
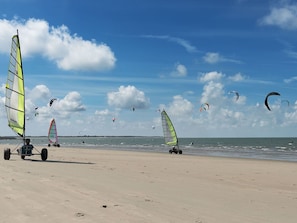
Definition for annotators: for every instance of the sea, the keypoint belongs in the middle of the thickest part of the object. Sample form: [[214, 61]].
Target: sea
[[282, 149]]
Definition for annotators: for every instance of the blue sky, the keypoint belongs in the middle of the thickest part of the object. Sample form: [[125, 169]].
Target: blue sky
[[100, 59]]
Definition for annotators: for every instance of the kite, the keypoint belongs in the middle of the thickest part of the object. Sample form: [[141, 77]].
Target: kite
[[204, 106], [52, 101], [286, 102], [236, 93], [36, 112], [267, 96]]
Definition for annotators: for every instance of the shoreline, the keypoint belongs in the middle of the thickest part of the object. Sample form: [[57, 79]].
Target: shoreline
[[97, 185]]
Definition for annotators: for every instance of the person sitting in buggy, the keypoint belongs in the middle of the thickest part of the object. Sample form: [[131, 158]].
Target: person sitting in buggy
[[26, 149]]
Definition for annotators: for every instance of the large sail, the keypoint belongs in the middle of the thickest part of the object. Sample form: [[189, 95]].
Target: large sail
[[168, 130], [15, 93], [52, 132]]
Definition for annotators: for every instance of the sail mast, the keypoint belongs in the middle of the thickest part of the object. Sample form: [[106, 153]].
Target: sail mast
[[23, 83]]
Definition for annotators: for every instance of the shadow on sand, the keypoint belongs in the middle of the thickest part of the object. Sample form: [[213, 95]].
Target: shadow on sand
[[61, 161]]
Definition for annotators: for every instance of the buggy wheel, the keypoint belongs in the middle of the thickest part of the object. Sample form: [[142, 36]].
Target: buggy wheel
[[44, 154], [49, 145], [58, 145], [180, 152], [23, 157], [7, 154], [170, 151]]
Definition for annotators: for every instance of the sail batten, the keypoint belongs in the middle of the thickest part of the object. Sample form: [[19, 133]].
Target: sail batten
[[168, 130], [15, 92]]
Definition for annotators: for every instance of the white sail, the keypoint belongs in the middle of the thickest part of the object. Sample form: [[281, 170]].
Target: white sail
[[52, 132]]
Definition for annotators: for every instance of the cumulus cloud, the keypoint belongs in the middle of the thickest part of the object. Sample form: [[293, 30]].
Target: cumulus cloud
[[128, 97], [213, 58], [180, 70], [212, 91], [69, 52], [284, 17], [39, 92], [71, 102], [180, 106], [211, 76], [102, 112], [237, 77], [64, 107]]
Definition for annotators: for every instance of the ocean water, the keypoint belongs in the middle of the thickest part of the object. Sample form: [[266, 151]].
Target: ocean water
[[284, 149]]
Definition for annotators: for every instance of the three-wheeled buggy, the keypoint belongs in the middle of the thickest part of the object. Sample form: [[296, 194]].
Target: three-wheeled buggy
[[26, 150]]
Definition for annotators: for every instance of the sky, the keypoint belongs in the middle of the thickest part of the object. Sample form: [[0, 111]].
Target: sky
[[113, 65]]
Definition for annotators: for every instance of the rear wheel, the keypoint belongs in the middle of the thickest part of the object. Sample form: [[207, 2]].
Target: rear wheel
[[180, 152], [44, 154], [7, 154], [170, 151]]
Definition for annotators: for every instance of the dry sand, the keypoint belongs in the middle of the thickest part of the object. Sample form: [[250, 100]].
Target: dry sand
[[83, 185]]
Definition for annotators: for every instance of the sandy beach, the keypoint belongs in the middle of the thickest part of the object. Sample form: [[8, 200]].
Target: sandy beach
[[85, 185]]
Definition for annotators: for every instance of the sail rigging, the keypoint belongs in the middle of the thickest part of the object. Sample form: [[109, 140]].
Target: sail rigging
[[15, 92], [52, 132], [168, 130]]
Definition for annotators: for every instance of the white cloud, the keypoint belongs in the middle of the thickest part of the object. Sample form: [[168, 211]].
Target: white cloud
[[289, 80], [102, 112], [237, 77], [180, 107], [291, 54], [211, 76], [71, 102], [38, 92], [213, 58], [180, 70], [64, 107], [184, 43], [127, 98], [69, 52], [284, 17], [213, 92]]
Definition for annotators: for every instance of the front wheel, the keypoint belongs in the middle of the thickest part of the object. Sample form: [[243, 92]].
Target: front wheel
[[170, 151], [7, 154], [180, 152], [44, 154]]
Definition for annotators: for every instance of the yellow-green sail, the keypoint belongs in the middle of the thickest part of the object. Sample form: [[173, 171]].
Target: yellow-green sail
[[15, 93], [168, 130]]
